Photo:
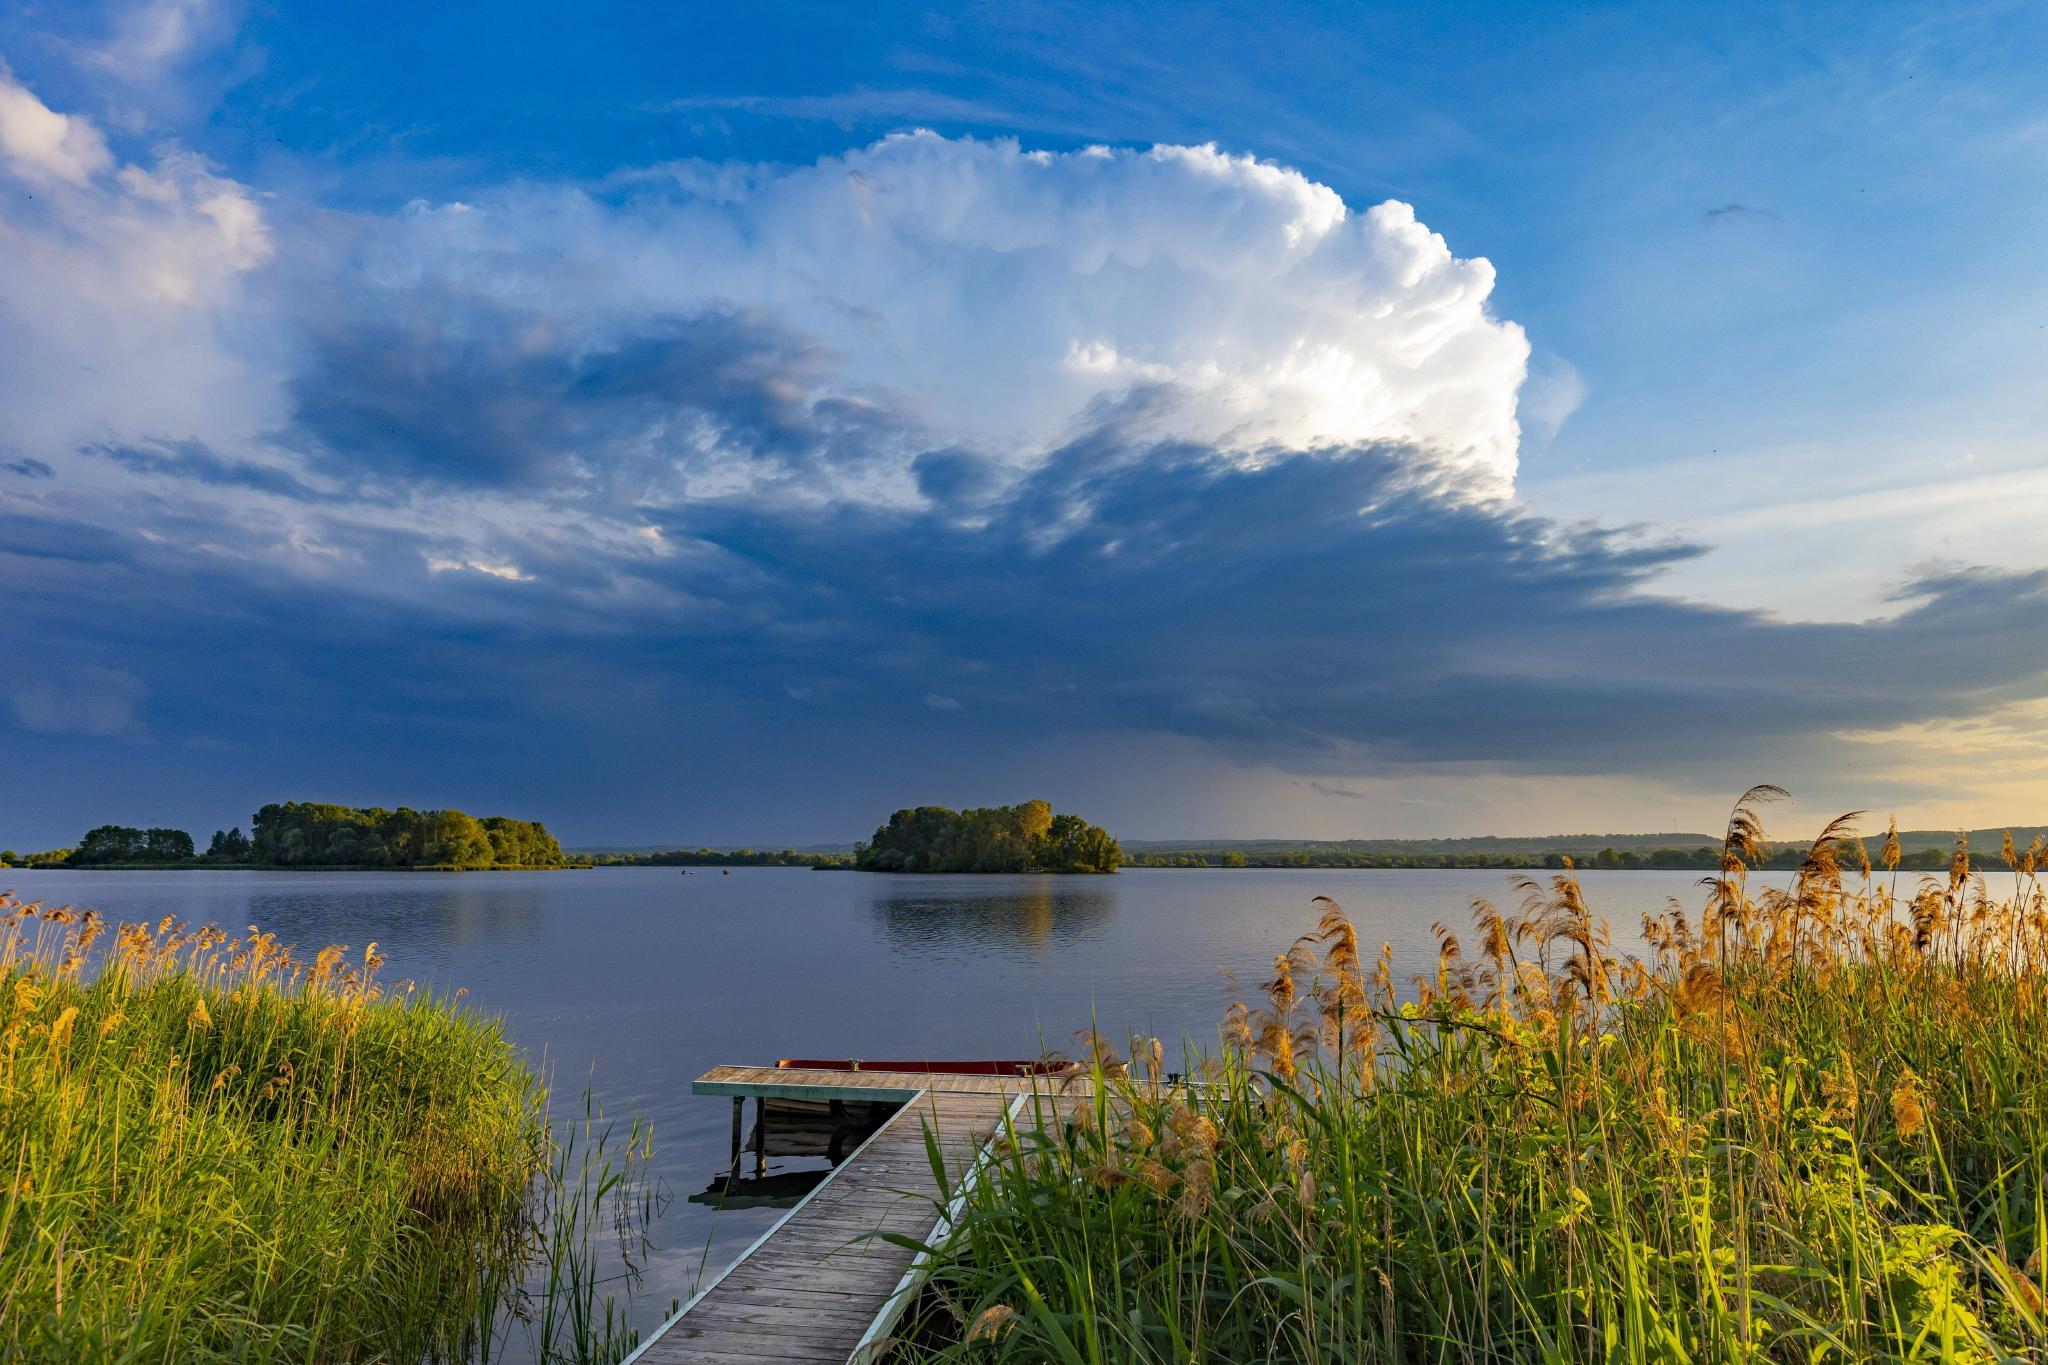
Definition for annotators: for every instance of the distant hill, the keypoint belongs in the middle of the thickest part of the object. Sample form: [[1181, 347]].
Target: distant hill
[[1982, 841], [1985, 842], [1489, 844]]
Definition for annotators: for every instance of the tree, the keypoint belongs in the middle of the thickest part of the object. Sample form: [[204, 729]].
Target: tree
[[229, 846], [1034, 820], [109, 844], [311, 834], [166, 845], [1017, 838], [457, 839], [1074, 845]]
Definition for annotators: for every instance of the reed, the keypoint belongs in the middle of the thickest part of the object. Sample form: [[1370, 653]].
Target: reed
[[1807, 1124], [215, 1149]]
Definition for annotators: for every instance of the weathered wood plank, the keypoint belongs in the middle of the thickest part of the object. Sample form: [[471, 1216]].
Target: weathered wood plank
[[801, 1083]]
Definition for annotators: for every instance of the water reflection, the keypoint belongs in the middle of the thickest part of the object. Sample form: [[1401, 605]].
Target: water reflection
[[462, 916], [783, 1190], [954, 915], [310, 910]]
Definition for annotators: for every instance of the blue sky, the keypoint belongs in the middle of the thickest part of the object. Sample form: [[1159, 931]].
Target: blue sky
[[1468, 419]]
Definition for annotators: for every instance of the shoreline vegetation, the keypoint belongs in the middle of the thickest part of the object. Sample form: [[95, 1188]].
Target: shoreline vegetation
[[219, 1150], [1027, 837], [1812, 1124]]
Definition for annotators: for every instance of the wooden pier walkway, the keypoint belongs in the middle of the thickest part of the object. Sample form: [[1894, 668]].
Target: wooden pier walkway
[[813, 1288]]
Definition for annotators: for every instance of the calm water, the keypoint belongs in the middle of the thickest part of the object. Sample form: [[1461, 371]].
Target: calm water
[[641, 978]]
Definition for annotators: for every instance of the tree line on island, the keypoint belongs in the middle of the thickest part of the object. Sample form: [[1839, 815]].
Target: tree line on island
[[313, 834], [1028, 837]]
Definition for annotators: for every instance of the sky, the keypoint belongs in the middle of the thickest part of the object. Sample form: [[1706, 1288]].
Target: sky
[[727, 424]]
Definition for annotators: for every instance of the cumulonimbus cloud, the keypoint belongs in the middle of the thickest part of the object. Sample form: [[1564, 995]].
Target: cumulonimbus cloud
[[918, 294], [1000, 298]]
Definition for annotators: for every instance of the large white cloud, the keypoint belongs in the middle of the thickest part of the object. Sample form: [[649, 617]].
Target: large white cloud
[[125, 303], [41, 145], [978, 298], [1002, 295]]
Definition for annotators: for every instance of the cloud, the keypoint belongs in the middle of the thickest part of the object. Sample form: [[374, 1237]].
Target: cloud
[[857, 108], [28, 468], [1336, 789], [91, 701], [1328, 616], [125, 314], [446, 388], [996, 299], [509, 572], [44, 147], [195, 461], [817, 333], [956, 478], [153, 35], [1552, 394], [1730, 212]]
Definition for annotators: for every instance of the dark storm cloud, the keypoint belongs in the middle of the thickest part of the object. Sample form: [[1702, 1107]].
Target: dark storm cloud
[[1334, 613], [27, 537], [956, 478], [1320, 611], [26, 467], [449, 389]]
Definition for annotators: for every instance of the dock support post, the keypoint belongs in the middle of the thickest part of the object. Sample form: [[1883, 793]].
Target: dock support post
[[739, 1105], [760, 1136]]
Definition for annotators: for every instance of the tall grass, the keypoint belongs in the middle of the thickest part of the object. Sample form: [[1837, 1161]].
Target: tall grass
[[1811, 1125], [212, 1149]]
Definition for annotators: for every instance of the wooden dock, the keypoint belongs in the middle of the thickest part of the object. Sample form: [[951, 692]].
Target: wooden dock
[[815, 1288]]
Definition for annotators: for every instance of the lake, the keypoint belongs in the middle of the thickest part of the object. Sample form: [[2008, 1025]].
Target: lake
[[639, 979]]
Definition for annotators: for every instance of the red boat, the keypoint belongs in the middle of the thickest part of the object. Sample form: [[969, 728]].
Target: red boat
[[1032, 1067]]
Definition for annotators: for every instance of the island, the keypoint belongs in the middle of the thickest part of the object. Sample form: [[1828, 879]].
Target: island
[[312, 834], [1027, 837]]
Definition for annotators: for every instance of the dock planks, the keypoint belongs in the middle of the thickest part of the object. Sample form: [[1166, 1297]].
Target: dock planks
[[813, 1286], [796, 1083]]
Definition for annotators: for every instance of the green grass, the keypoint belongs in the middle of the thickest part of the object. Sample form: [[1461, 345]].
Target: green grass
[[212, 1150], [1811, 1126]]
